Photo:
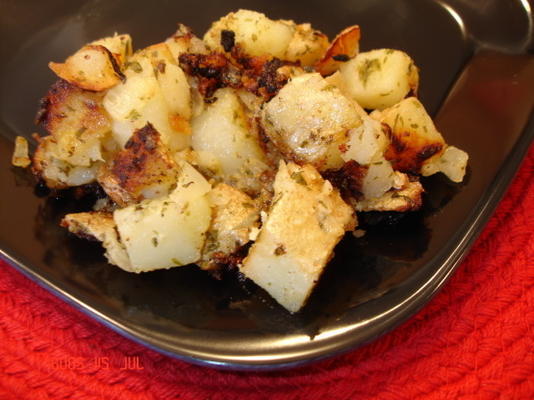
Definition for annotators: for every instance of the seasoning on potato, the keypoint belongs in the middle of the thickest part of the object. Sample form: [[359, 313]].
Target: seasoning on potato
[[253, 147]]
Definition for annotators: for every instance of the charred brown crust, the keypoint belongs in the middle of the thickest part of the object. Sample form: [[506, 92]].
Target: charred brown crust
[[348, 179], [258, 75], [144, 162], [53, 108], [227, 40], [407, 153], [131, 162], [114, 63]]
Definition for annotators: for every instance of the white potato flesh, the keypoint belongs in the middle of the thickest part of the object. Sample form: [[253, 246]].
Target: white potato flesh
[[171, 79], [254, 32], [379, 178], [379, 78], [140, 99], [307, 45], [452, 162], [305, 222], [93, 67], [169, 231], [225, 139], [57, 173], [101, 226], [309, 119], [175, 89], [366, 143]]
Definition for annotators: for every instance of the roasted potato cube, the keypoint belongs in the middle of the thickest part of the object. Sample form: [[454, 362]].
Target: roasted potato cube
[[308, 121], [144, 169], [306, 220], [306, 46], [93, 67], [344, 47], [141, 99], [167, 231], [452, 162], [380, 78], [78, 123], [59, 174], [256, 34], [234, 216], [227, 142], [100, 226], [414, 137]]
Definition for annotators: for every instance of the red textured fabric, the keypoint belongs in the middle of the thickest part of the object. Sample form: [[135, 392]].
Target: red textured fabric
[[473, 340]]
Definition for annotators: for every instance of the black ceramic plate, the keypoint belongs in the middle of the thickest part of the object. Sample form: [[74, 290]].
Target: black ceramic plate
[[373, 283]]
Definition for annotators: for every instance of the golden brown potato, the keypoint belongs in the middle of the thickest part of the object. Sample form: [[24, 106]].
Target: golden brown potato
[[144, 169], [77, 121], [414, 137], [344, 47], [93, 67]]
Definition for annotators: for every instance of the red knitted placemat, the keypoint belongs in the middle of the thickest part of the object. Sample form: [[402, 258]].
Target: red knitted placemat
[[473, 340]]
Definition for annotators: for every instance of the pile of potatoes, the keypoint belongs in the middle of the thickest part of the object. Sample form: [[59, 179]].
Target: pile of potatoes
[[196, 180]]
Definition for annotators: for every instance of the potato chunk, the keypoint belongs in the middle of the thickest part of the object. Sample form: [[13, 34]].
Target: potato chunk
[[254, 32], [77, 121], [452, 162], [234, 216], [144, 169], [100, 226], [59, 174], [306, 46], [308, 120], [167, 231], [227, 143], [93, 67], [380, 78], [156, 91], [306, 220], [414, 137]]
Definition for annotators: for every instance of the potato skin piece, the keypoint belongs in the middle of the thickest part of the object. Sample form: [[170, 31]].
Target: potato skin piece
[[344, 47], [77, 69]]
